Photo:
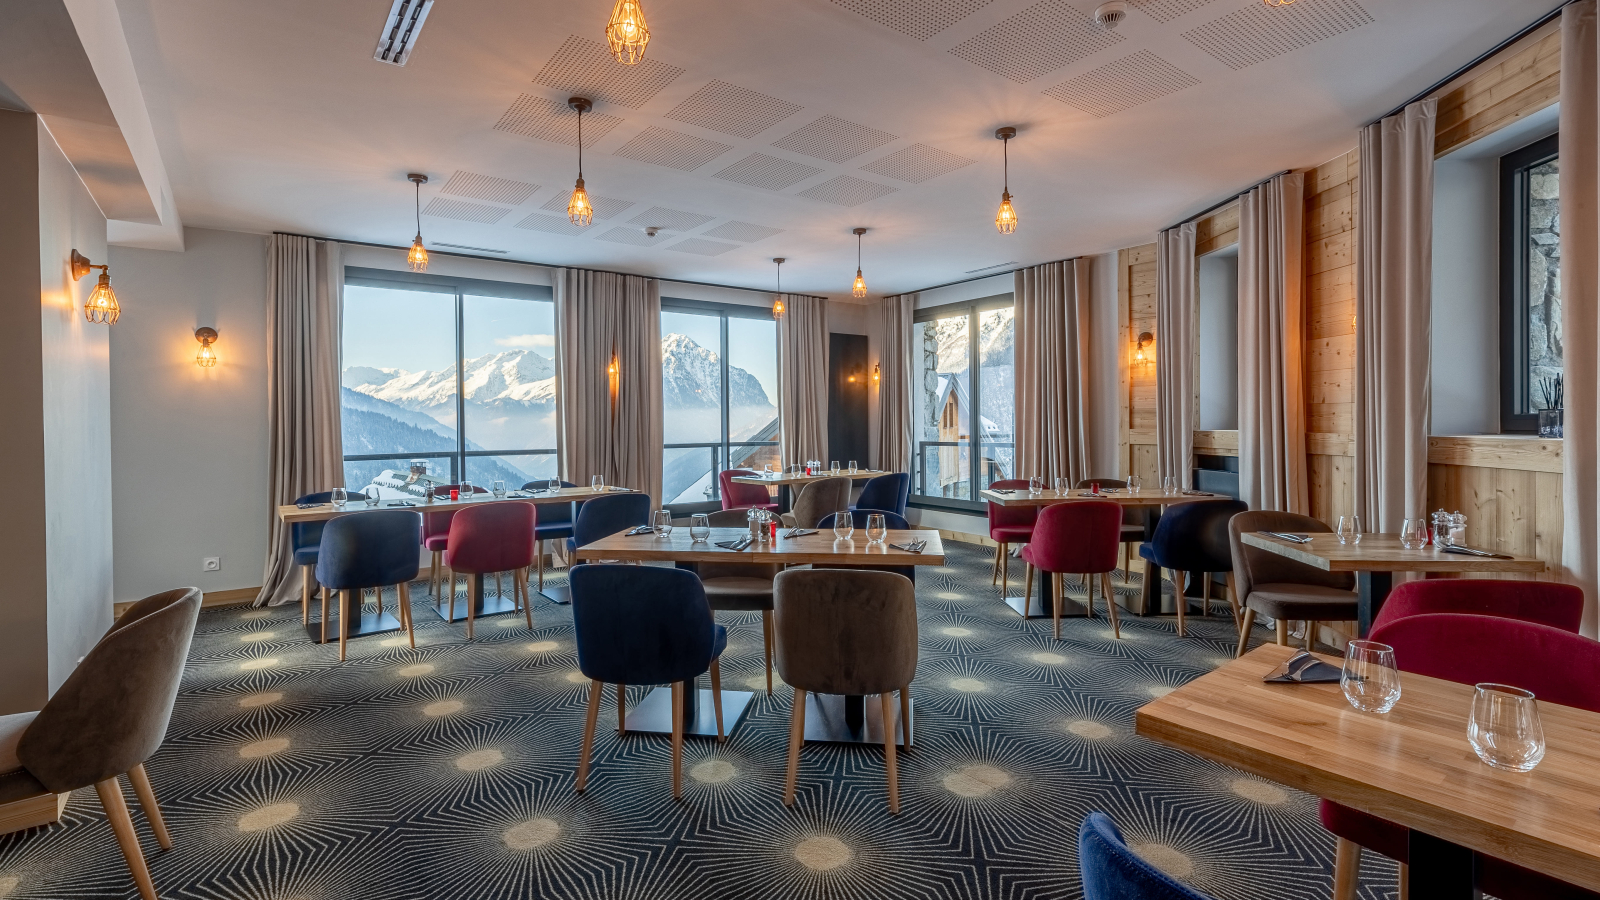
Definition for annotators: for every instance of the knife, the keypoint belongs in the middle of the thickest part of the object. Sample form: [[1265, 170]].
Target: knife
[[1291, 538], [1468, 551]]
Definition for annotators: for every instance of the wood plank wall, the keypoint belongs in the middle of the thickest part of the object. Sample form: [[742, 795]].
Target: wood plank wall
[[1136, 314], [1332, 191], [1524, 78]]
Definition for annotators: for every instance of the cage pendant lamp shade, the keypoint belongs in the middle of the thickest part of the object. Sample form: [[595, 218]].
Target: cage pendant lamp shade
[[859, 289], [1005, 221], [627, 32], [417, 256], [101, 308], [580, 211], [778, 307], [207, 357]]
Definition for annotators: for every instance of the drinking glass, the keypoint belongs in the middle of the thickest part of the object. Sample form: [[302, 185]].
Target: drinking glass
[[499, 488], [596, 482], [876, 528], [373, 498], [1349, 529], [834, 467], [340, 498], [1169, 484], [1134, 483], [661, 524], [1370, 680], [852, 467], [1063, 486], [1504, 727], [1414, 534], [553, 485], [1036, 484], [467, 490], [843, 525], [699, 527]]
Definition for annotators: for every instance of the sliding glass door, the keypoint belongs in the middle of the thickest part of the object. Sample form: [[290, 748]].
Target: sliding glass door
[[963, 423]]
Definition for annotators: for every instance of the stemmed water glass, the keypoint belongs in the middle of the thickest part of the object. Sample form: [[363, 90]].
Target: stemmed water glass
[[1504, 727], [843, 525], [1349, 529], [661, 523], [876, 528], [1370, 680], [699, 527]]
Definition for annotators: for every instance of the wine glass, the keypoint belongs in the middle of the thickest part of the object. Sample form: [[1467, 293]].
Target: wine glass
[[1349, 529], [1036, 484], [340, 498], [876, 528], [1062, 486], [1370, 680], [699, 527], [661, 523], [499, 488], [1504, 727], [596, 482], [1134, 484], [1414, 534], [373, 498], [843, 525]]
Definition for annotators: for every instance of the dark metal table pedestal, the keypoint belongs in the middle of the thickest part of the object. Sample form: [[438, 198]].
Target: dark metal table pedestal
[[654, 712]]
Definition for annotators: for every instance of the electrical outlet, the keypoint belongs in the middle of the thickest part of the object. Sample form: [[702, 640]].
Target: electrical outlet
[[211, 564]]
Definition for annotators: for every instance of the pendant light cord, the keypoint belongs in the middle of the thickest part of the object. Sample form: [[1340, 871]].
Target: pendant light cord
[[858, 254], [1005, 166], [580, 144], [780, 278], [418, 186]]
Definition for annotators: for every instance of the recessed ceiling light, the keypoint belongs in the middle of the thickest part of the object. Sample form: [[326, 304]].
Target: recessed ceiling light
[[400, 31]]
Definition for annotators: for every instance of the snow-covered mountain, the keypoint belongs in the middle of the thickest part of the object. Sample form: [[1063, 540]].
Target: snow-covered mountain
[[691, 374]]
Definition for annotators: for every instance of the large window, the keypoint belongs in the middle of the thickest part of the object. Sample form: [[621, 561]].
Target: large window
[[963, 422], [1530, 284], [719, 390], [458, 373]]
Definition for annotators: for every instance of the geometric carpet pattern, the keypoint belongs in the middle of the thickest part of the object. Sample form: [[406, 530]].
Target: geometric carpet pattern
[[447, 772]]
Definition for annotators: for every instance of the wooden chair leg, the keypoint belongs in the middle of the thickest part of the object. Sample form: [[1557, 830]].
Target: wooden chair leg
[[116, 807], [539, 552], [324, 615], [152, 809], [622, 710], [890, 769], [584, 752], [994, 567], [1027, 588], [905, 715], [797, 736], [1405, 882], [1247, 623], [1283, 632], [1055, 596], [521, 583], [716, 696], [1346, 870], [433, 576], [766, 639], [1127, 552], [677, 740], [1310, 634], [450, 576], [377, 593], [1004, 558], [1233, 600], [1088, 597], [474, 597], [1205, 594], [499, 585], [1111, 604], [346, 600], [307, 575], [1178, 579], [404, 590]]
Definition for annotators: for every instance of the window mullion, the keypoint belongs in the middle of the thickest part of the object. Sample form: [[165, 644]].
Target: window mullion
[[973, 387], [461, 398]]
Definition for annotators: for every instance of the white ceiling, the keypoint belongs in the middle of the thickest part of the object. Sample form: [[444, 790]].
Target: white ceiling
[[274, 116]]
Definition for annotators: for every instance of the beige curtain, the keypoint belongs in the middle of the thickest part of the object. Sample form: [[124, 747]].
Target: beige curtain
[[1580, 295], [610, 421], [1272, 417], [1177, 354], [1394, 299], [894, 383], [1052, 370], [803, 380], [305, 299]]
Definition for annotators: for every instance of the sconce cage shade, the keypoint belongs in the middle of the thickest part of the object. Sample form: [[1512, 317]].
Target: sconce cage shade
[[101, 308], [627, 32], [207, 357]]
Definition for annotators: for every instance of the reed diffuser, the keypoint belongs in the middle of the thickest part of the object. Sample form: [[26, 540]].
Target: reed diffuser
[[1551, 416]]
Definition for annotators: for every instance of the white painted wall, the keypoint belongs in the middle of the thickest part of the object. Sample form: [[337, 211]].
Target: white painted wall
[[1219, 340], [1465, 336]]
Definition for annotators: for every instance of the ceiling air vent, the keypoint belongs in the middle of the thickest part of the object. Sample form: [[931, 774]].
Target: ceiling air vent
[[400, 31], [469, 247], [990, 268]]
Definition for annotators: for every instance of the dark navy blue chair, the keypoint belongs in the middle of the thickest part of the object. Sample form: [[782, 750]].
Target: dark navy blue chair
[[1111, 871], [1191, 538], [554, 522], [368, 550], [858, 517], [604, 516], [886, 492], [643, 625], [304, 539]]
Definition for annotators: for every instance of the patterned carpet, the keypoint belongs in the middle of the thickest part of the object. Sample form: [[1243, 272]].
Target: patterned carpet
[[446, 772]]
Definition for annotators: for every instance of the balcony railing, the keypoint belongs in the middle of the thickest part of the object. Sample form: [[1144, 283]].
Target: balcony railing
[[989, 464]]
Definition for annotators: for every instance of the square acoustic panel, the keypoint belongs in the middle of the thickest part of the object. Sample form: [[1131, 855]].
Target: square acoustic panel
[[921, 19], [625, 235], [770, 173], [488, 187], [916, 164], [833, 139], [1037, 41], [1165, 11], [661, 147], [847, 190], [730, 109], [551, 225], [742, 231], [547, 120], [604, 207], [702, 247], [670, 219], [1259, 32], [1127, 82], [445, 208], [585, 68]]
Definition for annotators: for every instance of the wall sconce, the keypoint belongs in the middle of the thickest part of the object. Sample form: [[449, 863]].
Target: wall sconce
[[1139, 357], [612, 368], [207, 357], [101, 308], [876, 378]]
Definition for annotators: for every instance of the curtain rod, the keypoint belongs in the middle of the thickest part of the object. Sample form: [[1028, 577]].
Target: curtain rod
[[1225, 201], [523, 262], [981, 277]]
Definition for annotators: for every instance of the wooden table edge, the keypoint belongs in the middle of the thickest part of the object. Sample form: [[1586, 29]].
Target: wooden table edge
[[1432, 563]]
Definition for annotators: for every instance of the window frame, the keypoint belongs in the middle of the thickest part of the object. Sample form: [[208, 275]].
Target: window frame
[[972, 309], [1515, 391]]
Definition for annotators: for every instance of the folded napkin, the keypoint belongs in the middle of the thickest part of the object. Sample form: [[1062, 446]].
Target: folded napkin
[[1304, 668], [1470, 551], [615, 488], [1004, 490], [400, 503], [1197, 493], [642, 529], [1286, 536], [913, 547], [799, 532], [739, 544], [310, 505]]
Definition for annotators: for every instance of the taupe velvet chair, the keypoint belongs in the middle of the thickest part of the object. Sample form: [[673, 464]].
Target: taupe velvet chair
[[740, 587], [1279, 587], [851, 632], [818, 499], [107, 719]]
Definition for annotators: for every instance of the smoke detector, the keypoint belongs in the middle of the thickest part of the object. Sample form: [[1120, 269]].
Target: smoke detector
[[652, 231], [1111, 13]]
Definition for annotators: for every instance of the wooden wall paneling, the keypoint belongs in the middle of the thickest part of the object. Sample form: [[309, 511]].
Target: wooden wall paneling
[[1217, 230], [1547, 522], [1332, 194], [1124, 359], [1522, 79], [1497, 451], [1137, 273]]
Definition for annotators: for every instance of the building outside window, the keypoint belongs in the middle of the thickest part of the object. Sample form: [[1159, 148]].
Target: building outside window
[[1530, 321], [963, 395]]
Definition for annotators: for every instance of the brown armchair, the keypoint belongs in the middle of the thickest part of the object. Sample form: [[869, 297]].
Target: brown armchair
[[1279, 587], [818, 499]]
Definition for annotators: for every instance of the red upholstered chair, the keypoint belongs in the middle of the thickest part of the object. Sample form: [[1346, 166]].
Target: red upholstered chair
[[435, 529], [1543, 602], [1557, 666], [1007, 526], [494, 537], [743, 496], [1078, 537]]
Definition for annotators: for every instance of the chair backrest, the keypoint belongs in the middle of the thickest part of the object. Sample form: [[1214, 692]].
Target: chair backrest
[[819, 498], [111, 714], [1193, 537], [845, 631], [437, 524], [494, 537], [1557, 666], [1081, 537], [858, 517], [369, 549], [1545, 602], [605, 516], [888, 492], [1131, 515], [1253, 566], [309, 534], [1010, 515], [552, 513], [640, 624], [736, 495], [1112, 871]]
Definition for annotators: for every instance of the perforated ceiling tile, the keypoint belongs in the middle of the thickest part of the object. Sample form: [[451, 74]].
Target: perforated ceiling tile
[[916, 163], [742, 231], [445, 208], [1164, 11], [833, 139], [730, 109], [670, 219], [921, 19], [488, 187], [1259, 32], [1037, 41], [847, 191], [551, 224], [624, 235], [604, 207], [546, 120], [672, 149], [1116, 86], [585, 67], [703, 248], [767, 172]]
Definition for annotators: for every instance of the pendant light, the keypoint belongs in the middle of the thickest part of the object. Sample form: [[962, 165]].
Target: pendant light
[[101, 307], [580, 211], [1005, 221], [777, 302], [627, 33], [859, 289], [1278, 2], [417, 259]]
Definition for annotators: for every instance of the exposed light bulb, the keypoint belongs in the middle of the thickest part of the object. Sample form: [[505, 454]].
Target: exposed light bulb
[[778, 307], [580, 211], [1006, 219], [627, 32], [417, 259], [1278, 2], [207, 357], [859, 289], [101, 308]]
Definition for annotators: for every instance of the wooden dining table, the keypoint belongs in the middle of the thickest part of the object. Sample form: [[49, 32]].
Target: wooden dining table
[[830, 719], [1412, 766], [1376, 558], [786, 482]]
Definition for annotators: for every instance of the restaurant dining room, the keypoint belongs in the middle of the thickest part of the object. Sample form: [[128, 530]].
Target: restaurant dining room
[[645, 449]]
